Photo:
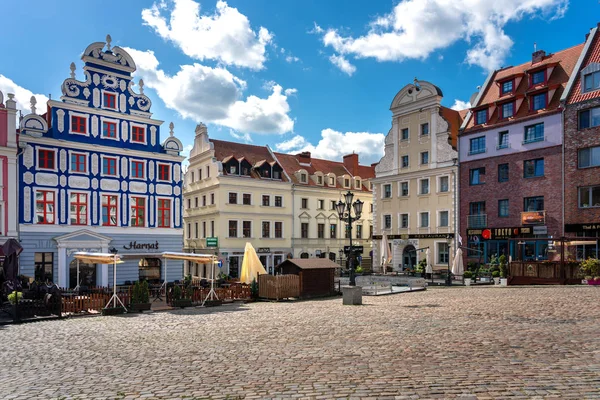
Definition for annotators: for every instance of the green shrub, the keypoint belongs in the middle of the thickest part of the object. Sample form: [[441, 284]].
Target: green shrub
[[495, 274], [254, 289], [590, 267], [144, 292], [467, 275], [503, 266], [176, 293], [359, 270], [15, 296]]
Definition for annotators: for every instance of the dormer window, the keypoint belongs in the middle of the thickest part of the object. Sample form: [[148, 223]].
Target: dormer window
[[303, 178], [276, 174], [538, 77], [347, 183], [319, 179], [358, 184], [332, 181], [591, 81], [506, 87], [233, 169], [480, 117], [539, 101], [507, 110]]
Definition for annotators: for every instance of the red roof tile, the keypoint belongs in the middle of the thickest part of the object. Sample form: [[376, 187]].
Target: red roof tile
[[454, 119], [253, 154], [593, 56]]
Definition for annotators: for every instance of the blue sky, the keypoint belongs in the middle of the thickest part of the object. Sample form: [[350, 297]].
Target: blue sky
[[311, 75]]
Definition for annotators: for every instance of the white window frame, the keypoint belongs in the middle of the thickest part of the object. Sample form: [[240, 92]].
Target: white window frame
[[271, 200], [400, 188], [439, 184], [144, 178], [37, 158], [237, 196], [102, 91], [428, 219], [172, 211], [270, 229], [251, 200], [112, 121], [89, 197], [87, 164], [242, 230], [437, 252], [428, 187], [237, 221], [56, 208], [134, 124], [321, 201], [383, 222], [129, 205], [158, 164], [87, 123], [400, 221], [439, 219], [281, 196], [119, 205]]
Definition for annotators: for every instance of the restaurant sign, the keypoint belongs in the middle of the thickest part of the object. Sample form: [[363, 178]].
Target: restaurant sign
[[141, 246], [582, 227], [533, 218], [499, 233], [416, 236]]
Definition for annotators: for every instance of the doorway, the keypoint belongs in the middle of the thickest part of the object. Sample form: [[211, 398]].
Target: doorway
[[409, 257], [234, 267], [87, 274]]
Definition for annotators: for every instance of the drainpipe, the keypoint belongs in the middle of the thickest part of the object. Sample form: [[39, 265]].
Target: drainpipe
[[562, 168]]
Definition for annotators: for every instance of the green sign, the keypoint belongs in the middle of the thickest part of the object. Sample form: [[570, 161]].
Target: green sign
[[212, 242]]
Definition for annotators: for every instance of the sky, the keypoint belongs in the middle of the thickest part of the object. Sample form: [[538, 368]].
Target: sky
[[307, 75]]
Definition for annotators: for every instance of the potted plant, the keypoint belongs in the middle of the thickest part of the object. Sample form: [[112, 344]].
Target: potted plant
[[496, 276], [503, 270], [422, 267], [359, 270], [590, 268], [178, 300], [467, 275], [140, 297]]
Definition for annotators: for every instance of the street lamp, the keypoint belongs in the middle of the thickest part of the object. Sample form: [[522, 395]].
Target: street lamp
[[344, 210], [448, 277]]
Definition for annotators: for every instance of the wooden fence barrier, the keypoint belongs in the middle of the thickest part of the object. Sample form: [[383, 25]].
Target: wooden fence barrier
[[90, 302], [279, 286]]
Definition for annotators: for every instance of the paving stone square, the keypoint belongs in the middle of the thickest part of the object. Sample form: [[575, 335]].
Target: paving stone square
[[466, 343]]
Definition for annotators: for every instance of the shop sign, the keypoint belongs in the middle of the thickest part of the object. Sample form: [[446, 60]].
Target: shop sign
[[540, 230], [582, 227], [263, 250], [416, 236], [498, 233], [533, 218], [212, 242], [141, 246], [407, 242], [356, 249]]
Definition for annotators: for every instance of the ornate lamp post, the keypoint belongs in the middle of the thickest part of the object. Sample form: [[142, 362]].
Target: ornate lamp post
[[344, 210], [449, 277]]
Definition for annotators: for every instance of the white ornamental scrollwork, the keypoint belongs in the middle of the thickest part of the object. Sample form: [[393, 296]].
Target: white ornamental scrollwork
[[94, 126], [71, 86], [153, 135], [27, 204], [28, 157], [94, 183], [94, 163], [60, 115], [110, 81], [144, 103], [28, 178]]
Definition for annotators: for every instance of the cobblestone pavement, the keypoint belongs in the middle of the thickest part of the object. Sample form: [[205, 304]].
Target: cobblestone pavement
[[471, 343]]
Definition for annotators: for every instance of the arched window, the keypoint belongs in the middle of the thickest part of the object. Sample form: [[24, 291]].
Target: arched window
[[304, 255]]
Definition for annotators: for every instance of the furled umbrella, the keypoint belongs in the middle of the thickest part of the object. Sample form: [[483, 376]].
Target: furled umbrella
[[251, 266], [385, 252], [428, 268], [457, 264], [11, 250]]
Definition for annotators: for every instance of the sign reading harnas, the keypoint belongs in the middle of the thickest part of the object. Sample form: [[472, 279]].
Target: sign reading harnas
[[139, 246]]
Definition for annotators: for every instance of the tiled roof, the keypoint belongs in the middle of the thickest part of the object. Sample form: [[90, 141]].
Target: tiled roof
[[454, 119], [593, 57], [565, 61], [310, 263]]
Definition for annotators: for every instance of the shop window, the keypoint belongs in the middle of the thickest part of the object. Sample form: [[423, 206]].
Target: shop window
[[149, 270], [87, 274], [44, 267]]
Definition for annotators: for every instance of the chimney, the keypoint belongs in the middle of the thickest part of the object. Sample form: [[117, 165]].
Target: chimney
[[304, 157], [351, 163], [537, 56]]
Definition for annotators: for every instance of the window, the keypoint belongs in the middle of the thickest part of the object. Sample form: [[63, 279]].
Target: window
[[110, 100], [199, 174], [424, 219], [425, 129], [321, 204], [387, 191], [78, 162], [591, 81], [507, 87], [333, 231], [403, 189], [208, 171], [266, 229], [443, 256], [357, 184], [138, 211], [477, 208], [138, 134], [321, 231], [370, 231], [232, 198], [233, 229], [476, 176], [359, 231], [503, 173], [212, 198], [79, 124], [502, 140], [203, 229], [387, 222], [46, 159], [538, 101], [404, 221], [589, 157], [109, 166], [346, 182], [507, 110], [332, 181], [304, 203], [589, 197], [444, 184], [246, 229], [533, 168], [278, 230], [477, 145], [203, 200], [538, 77], [189, 203], [196, 202], [319, 179], [443, 218], [192, 176], [44, 207], [405, 162], [44, 266], [480, 117], [589, 118], [332, 205], [503, 208], [266, 200], [533, 203], [404, 134], [212, 228], [246, 199], [534, 133], [78, 214], [424, 158], [303, 178], [278, 201], [109, 130], [137, 169], [304, 230], [109, 211], [424, 186], [233, 169], [164, 214], [164, 172]]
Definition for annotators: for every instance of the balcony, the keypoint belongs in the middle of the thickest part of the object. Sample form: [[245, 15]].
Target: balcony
[[502, 146], [477, 151], [534, 139], [477, 221]]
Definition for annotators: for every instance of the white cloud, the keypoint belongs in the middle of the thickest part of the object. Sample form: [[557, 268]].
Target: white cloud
[[316, 29], [343, 64], [460, 105], [333, 145], [291, 59], [225, 36], [290, 92], [22, 96], [213, 95], [244, 137], [416, 28]]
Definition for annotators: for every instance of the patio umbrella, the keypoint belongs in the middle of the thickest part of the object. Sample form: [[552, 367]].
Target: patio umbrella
[[251, 266], [429, 268], [11, 250], [457, 264], [385, 252]]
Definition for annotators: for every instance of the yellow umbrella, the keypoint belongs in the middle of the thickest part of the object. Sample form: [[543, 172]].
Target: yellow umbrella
[[251, 266]]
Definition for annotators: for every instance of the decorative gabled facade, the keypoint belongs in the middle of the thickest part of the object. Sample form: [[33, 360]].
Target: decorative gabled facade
[[510, 153], [8, 168], [94, 175], [415, 187]]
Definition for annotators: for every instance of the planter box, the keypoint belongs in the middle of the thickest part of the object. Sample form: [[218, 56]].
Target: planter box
[[503, 281], [182, 303], [140, 307], [467, 281], [496, 281], [113, 311], [352, 295]]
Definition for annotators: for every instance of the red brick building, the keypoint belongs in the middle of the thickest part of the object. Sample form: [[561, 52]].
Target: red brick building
[[510, 153], [582, 146]]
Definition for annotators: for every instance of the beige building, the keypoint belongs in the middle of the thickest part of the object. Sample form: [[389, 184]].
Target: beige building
[[317, 186], [415, 189]]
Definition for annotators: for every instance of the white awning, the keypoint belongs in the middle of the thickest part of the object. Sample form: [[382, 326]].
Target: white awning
[[580, 242], [97, 258], [193, 257]]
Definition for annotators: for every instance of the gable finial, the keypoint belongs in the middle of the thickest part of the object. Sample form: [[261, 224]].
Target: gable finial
[[108, 40], [72, 67], [141, 85], [33, 102], [171, 126]]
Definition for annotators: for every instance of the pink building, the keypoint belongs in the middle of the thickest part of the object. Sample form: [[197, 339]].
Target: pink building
[[8, 168]]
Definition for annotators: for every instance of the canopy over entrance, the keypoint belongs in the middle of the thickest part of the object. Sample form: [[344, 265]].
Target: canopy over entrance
[[97, 258]]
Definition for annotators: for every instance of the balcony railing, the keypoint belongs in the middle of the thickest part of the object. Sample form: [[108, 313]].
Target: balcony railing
[[477, 151], [477, 221], [534, 139], [502, 146]]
